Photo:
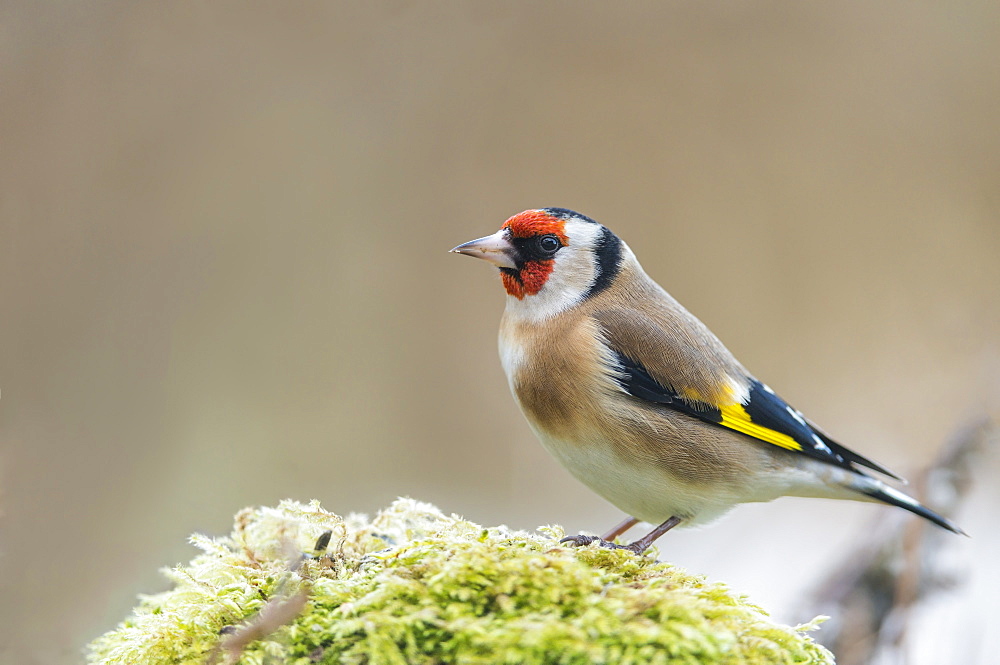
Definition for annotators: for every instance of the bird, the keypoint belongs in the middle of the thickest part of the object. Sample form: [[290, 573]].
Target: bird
[[639, 400]]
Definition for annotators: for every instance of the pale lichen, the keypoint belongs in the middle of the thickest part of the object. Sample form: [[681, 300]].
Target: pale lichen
[[416, 586]]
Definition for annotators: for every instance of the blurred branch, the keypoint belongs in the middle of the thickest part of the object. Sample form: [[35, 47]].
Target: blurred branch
[[276, 613], [280, 609], [873, 593]]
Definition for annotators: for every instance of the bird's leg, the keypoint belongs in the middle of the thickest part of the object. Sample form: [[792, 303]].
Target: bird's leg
[[638, 546], [625, 525], [605, 540], [643, 543]]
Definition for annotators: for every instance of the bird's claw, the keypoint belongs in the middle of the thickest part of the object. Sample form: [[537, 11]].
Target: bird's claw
[[580, 541]]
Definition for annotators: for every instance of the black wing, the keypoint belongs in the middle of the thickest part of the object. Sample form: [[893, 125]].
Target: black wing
[[764, 416]]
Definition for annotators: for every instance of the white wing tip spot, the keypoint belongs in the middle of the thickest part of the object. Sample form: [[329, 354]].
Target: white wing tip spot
[[796, 415], [820, 445]]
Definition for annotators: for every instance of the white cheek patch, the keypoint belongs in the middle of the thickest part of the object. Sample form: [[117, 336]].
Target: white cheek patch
[[583, 234], [574, 272]]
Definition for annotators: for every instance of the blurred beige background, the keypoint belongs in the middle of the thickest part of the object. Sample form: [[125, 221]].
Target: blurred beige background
[[224, 278]]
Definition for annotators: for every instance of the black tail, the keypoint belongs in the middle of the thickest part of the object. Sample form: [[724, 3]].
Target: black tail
[[893, 497]]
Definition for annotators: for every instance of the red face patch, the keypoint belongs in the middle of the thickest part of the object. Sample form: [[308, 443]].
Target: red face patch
[[532, 277], [531, 223], [529, 280]]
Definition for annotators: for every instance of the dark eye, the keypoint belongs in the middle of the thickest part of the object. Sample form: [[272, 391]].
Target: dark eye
[[548, 244]]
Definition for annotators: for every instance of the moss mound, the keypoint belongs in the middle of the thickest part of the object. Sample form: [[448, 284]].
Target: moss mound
[[416, 586]]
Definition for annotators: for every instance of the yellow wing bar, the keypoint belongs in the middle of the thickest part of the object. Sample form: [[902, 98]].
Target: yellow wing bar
[[735, 417]]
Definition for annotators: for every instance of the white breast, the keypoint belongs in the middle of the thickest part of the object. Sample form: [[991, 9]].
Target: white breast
[[512, 357], [641, 490]]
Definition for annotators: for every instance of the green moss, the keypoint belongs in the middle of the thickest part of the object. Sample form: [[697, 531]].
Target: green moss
[[417, 586]]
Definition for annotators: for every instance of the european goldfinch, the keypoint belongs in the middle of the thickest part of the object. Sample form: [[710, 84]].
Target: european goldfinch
[[638, 399]]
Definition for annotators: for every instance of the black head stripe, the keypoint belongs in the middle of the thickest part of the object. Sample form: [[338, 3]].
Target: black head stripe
[[566, 213], [608, 252]]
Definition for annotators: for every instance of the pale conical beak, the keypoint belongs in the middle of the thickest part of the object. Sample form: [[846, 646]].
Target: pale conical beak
[[497, 249]]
